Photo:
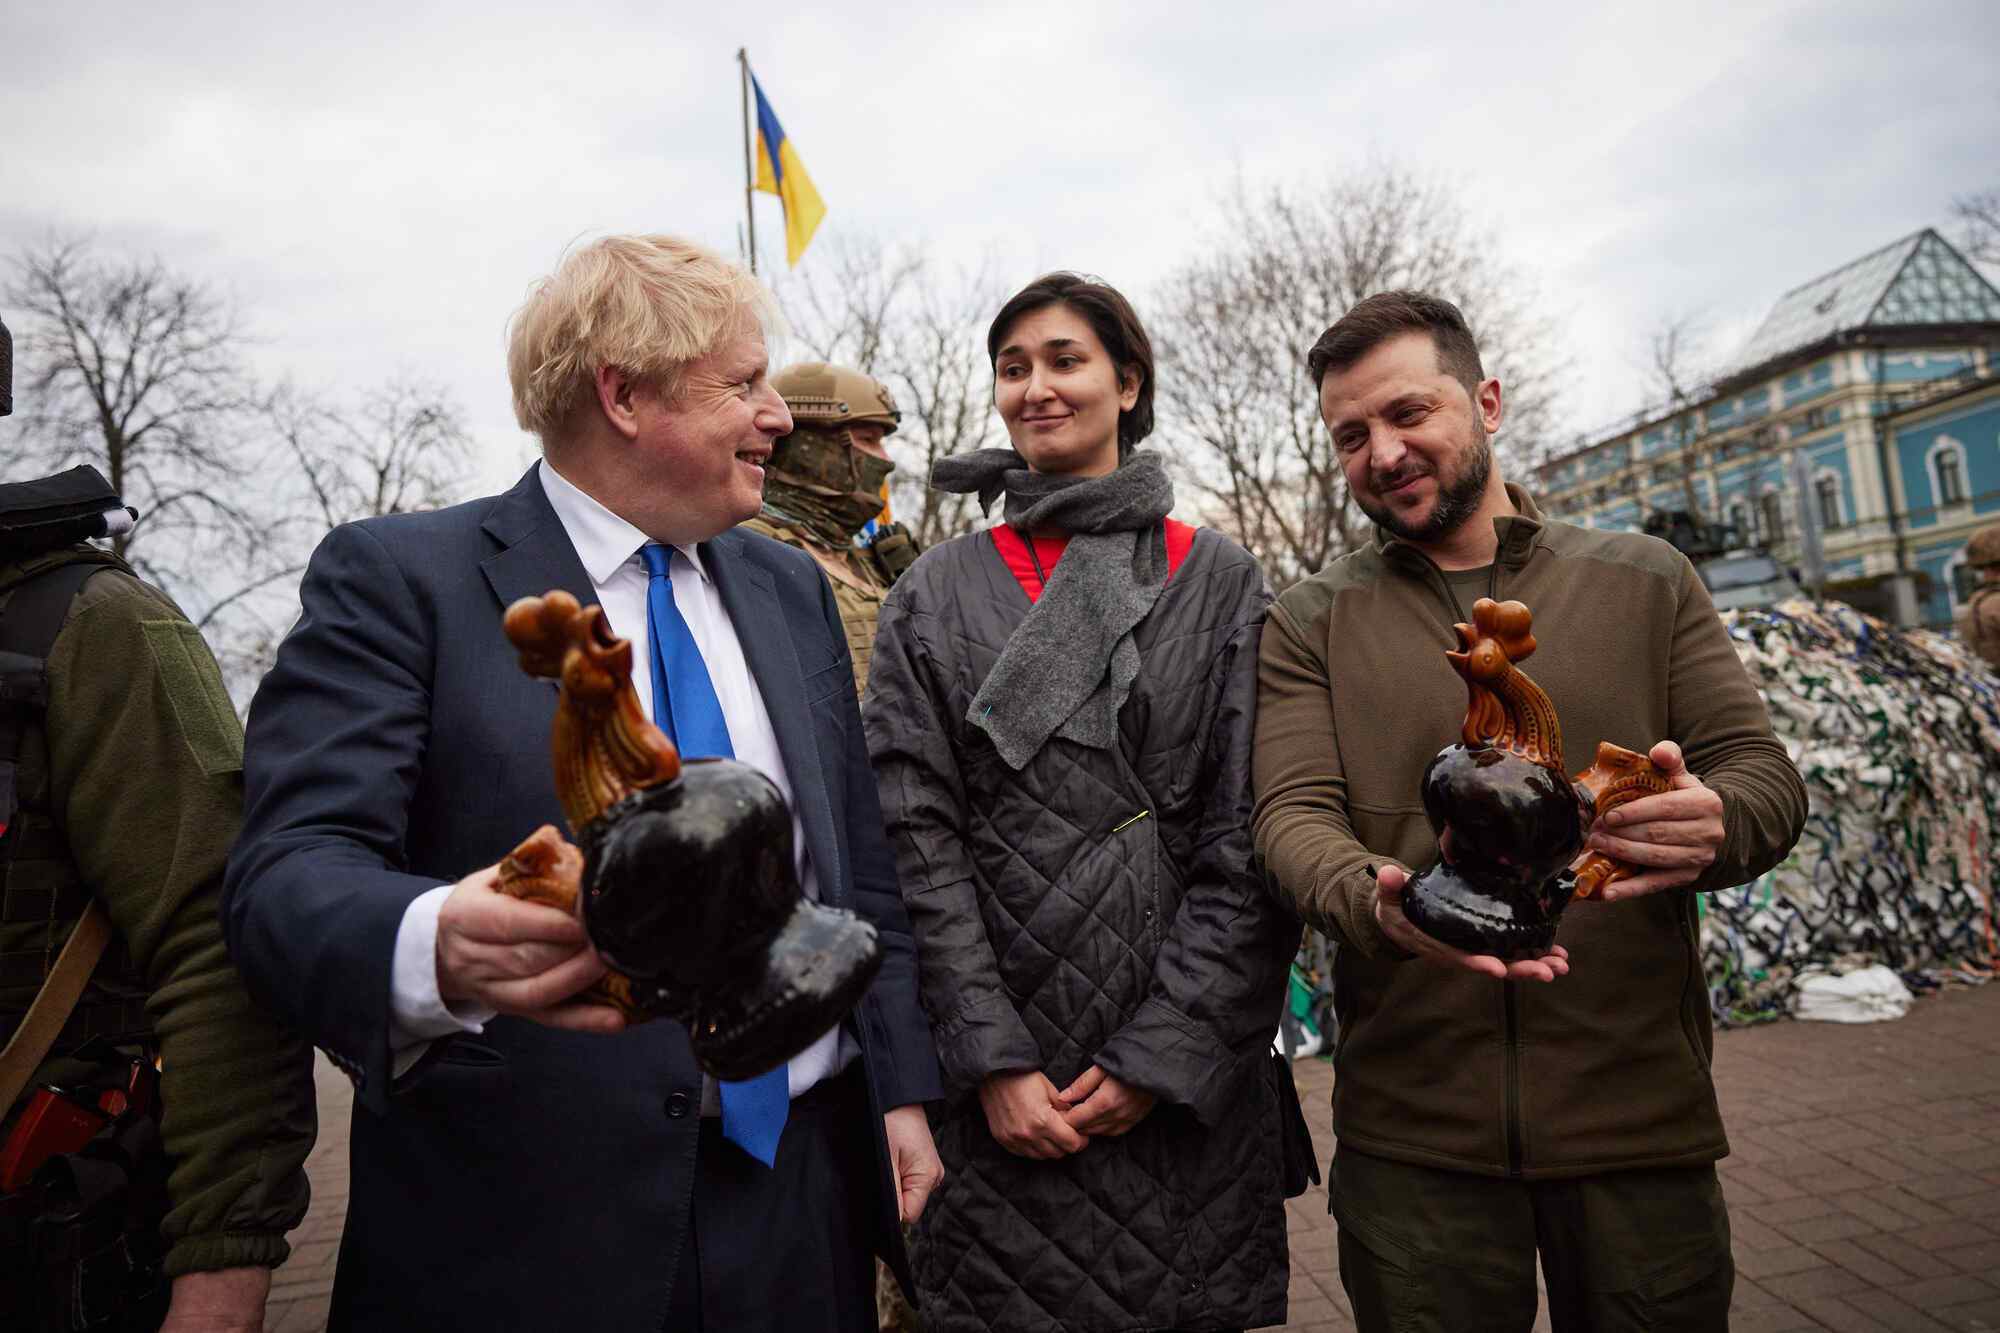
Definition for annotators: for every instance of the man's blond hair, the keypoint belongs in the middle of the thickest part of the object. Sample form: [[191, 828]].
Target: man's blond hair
[[650, 305]]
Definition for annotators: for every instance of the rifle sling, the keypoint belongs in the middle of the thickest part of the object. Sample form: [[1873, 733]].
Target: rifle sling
[[54, 1003], [33, 618]]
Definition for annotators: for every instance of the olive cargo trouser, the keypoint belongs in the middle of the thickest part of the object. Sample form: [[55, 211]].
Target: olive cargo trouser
[[1423, 1249]]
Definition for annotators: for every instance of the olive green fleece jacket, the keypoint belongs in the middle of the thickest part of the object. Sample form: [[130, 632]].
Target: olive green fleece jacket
[[140, 763], [1604, 1069]]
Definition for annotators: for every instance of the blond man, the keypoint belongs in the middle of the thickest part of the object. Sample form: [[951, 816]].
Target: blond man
[[520, 1159]]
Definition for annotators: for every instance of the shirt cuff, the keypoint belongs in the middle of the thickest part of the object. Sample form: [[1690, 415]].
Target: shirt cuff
[[418, 1015]]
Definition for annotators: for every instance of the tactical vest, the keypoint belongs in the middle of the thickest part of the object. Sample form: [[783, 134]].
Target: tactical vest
[[859, 586], [42, 893]]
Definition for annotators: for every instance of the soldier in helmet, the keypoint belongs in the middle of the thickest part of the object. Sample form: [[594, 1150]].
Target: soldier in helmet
[[824, 484], [1979, 619]]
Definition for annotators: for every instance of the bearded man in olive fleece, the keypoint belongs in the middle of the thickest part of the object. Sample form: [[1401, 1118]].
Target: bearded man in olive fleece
[[1483, 1117]]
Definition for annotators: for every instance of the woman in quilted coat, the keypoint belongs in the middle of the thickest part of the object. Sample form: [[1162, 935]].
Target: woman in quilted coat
[[1060, 717]]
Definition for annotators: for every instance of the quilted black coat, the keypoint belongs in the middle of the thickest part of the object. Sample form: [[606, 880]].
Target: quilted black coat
[[1097, 906]]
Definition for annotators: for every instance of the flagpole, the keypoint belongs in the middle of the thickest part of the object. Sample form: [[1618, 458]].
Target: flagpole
[[749, 173]]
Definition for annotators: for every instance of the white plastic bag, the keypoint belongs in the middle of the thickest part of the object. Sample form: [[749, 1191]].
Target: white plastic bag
[[1866, 995]]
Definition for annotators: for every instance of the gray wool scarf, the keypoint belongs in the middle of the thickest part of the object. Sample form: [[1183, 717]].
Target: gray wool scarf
[[1070, 663]]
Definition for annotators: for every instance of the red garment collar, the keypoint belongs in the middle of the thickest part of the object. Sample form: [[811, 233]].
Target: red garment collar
[[1013, 547]]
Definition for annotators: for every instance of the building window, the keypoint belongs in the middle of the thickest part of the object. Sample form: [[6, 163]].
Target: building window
[[1827, 491], [1771, 511], [1814, 418], [1950, 478], [1946, 464]]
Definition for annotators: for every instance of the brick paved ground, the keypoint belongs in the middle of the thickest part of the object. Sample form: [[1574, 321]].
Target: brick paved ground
[[1864, 1189], [301, 1289]]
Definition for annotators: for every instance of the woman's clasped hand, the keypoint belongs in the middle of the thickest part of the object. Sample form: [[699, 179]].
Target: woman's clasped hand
[[1030, 1117]]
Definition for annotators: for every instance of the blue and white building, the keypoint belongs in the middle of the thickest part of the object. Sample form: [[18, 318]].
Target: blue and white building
[[1883, 379]]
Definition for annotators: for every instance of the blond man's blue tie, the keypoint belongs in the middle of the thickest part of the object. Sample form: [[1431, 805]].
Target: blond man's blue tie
[[685, 706]]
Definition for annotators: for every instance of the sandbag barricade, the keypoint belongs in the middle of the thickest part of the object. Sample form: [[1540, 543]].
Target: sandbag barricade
[[1897, 734]]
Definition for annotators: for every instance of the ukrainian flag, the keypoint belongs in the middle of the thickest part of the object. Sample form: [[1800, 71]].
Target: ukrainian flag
[[780, 172]]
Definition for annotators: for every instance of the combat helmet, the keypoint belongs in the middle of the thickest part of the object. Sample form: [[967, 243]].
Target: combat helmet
[[1983, 548], [830, 397], [816, 478]]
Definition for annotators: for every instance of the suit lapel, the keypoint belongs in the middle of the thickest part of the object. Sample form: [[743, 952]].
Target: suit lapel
[[536, 555], [751, 599]]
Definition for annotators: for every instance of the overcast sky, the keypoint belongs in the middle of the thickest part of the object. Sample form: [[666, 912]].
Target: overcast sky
[[376, 184]]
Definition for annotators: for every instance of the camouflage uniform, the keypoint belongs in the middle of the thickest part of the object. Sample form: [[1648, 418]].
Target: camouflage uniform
[[1979, 618], [131, 789], [821, 491], [859, 585]]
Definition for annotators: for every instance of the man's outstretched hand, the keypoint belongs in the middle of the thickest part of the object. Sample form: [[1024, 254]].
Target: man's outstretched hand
[[517, 957], [1390, 881], [1672, 838]]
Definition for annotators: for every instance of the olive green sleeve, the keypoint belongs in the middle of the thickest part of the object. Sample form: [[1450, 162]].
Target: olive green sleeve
[[1719, 720], [146, 758], [1300, 820]]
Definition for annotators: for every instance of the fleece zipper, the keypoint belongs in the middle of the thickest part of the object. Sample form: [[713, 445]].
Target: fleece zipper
[[1513, 1032], [1510, 999]]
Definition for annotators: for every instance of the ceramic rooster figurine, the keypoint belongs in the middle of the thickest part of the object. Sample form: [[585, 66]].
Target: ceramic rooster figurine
[[1509, 824], [682, 873]]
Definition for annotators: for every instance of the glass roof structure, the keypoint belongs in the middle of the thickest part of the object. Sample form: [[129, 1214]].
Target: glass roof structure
[[1917, 280]]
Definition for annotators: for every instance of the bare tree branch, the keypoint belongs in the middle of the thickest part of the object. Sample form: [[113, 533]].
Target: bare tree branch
[[1678, 361], [1680, 367], [250, 589], [139, 371], [1979, 222], [1233, 327], [400, 448], [894, 315]]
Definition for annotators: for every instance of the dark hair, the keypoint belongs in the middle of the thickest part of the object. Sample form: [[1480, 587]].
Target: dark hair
[[1387, 315], [1110, 317]]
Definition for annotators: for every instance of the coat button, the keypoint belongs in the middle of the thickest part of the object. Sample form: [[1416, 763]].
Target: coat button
[[677, 1105]]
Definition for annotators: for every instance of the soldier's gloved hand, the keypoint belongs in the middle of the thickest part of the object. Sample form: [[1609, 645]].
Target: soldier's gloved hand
[[895, 549]]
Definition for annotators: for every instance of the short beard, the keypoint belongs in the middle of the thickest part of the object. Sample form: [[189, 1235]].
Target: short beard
[[1457, 500]]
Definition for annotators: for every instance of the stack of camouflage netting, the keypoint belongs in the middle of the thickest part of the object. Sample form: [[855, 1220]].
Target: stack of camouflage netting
[[1898, 736]]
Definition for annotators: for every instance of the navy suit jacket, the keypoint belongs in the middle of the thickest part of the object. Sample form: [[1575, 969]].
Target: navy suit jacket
[[526, 1177]]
